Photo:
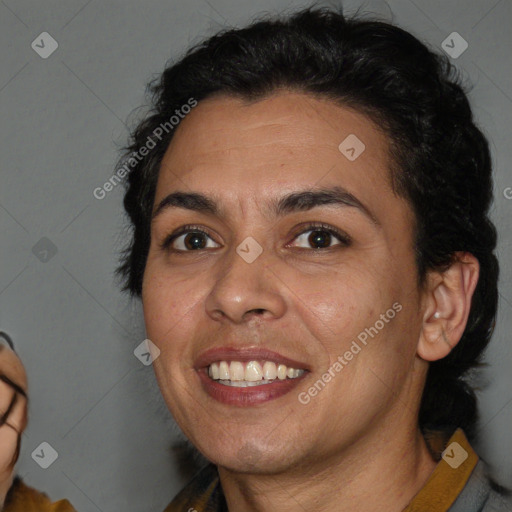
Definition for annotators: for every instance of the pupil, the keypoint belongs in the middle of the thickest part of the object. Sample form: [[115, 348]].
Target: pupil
[[316, 238], [194, 237]]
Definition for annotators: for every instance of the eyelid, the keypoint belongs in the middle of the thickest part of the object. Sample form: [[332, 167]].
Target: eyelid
[[181, 231], [343, 237], [304, 228]]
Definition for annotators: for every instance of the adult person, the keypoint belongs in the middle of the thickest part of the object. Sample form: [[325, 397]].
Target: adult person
[[13, 399], [15, 495], [313, 252]]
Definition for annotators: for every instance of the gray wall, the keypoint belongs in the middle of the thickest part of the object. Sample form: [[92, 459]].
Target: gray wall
[[63, 118]]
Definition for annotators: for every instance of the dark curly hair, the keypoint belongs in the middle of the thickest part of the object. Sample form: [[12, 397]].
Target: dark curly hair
[[440, 159]]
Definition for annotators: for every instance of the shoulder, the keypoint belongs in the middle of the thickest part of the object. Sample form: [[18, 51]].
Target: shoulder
[[482, 494], [498, 500], [22, 498]]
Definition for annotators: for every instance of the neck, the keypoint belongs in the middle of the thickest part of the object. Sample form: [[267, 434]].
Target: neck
[[381, 470]]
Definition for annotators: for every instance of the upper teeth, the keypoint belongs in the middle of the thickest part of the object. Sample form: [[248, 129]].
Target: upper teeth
[[252, 371]]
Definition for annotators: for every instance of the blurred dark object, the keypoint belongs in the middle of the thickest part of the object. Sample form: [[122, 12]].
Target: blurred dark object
[[7, 338]]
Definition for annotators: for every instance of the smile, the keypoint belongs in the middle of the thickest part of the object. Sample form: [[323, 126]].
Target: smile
[[251, 373], [248, 376]]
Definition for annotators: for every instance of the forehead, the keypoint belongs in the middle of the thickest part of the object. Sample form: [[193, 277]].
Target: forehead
[[285, 142]]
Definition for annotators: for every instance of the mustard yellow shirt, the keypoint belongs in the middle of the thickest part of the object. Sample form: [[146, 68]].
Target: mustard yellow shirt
[[22, 498]]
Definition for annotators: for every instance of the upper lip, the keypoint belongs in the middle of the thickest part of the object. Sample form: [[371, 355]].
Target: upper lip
[[245, 354]]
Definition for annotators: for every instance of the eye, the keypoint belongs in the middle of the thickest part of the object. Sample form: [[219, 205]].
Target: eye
[[187, 239], [193, 238], [321, 235]]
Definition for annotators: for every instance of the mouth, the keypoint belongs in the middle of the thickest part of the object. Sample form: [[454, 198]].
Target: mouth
[[245, 377], [253, 373]]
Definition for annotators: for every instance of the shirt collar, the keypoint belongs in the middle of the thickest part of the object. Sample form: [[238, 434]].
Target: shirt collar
[[446, 482]]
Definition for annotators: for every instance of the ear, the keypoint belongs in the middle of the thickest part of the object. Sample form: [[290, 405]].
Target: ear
[[447, 303]]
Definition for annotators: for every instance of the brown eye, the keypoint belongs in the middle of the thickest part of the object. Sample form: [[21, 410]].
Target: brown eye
[[194, 241], [188, 239], [321, 237]]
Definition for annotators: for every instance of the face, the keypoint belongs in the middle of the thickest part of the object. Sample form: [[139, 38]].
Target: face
[[12, 371], [324, 284]]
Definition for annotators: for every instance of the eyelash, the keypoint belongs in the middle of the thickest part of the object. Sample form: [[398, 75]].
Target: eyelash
[[190, 228]]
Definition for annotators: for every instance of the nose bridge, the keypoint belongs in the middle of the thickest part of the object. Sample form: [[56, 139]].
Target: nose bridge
[[243, 283]]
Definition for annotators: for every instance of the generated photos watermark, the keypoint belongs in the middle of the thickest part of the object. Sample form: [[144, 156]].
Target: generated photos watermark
[[342, 360], [145, 149]]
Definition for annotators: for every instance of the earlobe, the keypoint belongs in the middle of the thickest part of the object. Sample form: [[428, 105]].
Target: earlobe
[[448, 304]]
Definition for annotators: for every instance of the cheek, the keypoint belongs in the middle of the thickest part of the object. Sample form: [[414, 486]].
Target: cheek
[[342, 300], [334, 311], [348, 309], [161, 302], [165, 318], [171, 308]]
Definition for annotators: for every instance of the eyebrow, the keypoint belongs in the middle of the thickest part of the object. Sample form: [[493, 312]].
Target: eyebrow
[[303, 200]]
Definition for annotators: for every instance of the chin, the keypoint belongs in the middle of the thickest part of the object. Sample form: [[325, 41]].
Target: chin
[[250, 456]]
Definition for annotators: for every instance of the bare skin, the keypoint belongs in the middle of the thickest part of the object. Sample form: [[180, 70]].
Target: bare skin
[[356, 445], [12, 371]]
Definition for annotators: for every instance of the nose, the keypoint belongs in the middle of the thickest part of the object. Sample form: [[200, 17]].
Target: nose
[[243, 291]]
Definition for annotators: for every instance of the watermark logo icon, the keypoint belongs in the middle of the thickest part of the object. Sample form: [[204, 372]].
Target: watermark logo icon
[[249, 249], [454, 45], [352, 147], [44, 250], [45, 455], [147, 352], [455, 455], [44, 45]]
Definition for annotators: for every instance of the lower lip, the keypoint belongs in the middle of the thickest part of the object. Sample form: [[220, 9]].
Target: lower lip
[[248, 396]]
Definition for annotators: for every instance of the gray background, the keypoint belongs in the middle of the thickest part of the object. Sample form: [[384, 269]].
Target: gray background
[[63, 119]]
